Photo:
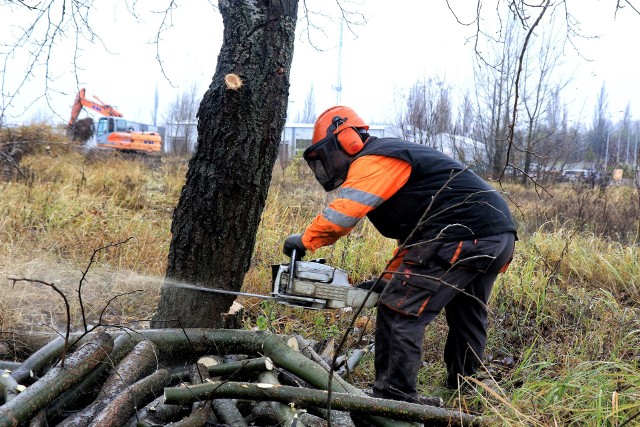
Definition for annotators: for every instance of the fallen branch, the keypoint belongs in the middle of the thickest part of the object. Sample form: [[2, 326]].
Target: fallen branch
[[124, 405], [80, 392], [36, 363], [228, 412], [9, 386], [155, 413], [176, 345], [235, 367], [56, 381], [9, 365], [308, 397], [134, 366], [226, 409], [285, 415]]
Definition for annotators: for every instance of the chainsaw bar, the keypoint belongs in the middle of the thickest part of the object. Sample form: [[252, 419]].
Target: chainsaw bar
[[219, 291]]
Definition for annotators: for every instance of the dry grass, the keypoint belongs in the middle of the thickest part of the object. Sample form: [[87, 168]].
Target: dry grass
[[564, 342]]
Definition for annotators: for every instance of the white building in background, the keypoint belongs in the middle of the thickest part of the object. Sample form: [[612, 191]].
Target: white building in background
[[466, 150], [296, 137], [180, 137]]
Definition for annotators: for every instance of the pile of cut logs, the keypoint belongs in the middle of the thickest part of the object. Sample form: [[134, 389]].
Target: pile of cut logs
[[193, 377]]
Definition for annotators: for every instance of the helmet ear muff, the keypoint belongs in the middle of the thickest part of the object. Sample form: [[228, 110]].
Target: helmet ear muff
[[350, 140]]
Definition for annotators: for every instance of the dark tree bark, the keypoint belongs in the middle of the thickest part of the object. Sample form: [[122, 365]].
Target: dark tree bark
[[239, 129]]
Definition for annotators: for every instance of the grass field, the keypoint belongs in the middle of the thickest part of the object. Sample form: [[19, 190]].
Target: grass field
[[564, 340]]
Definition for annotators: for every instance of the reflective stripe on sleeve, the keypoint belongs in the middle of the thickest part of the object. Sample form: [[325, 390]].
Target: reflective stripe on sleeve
[[360, 196], [339, 218]]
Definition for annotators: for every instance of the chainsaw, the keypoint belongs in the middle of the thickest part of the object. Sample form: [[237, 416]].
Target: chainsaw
[[309, 284]]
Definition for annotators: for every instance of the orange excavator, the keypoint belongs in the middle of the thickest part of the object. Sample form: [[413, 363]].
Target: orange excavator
[[112, 131]]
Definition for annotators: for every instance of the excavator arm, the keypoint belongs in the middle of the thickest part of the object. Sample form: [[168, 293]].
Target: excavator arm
[[99, 106]]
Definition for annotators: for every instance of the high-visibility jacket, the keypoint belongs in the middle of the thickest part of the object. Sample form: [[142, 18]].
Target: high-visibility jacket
[[394, 182]]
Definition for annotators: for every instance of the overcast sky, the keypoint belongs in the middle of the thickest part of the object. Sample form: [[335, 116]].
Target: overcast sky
[[402, 41]]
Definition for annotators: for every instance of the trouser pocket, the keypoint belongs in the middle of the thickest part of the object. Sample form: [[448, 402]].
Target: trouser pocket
[[409, 291], [487, 255]]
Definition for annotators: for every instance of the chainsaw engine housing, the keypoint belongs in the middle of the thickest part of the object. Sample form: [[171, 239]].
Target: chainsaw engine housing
[[317, 285]]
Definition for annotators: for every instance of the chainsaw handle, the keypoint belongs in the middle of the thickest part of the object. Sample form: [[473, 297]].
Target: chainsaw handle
[[292, 268]]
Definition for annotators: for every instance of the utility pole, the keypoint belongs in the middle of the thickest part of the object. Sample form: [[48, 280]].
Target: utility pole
[[606, 153], [338, 86]]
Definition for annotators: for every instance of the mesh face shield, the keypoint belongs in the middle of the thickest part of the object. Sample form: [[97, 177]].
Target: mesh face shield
[[328, 162]]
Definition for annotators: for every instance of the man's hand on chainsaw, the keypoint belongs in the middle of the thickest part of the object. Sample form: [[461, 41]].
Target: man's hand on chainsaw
[[371, 283], [294, 242]]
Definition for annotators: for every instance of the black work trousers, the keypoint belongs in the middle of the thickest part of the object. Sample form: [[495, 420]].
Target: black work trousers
[[456, 276]]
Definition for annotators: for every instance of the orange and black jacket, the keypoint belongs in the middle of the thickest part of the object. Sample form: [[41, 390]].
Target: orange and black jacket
[[395, 183]]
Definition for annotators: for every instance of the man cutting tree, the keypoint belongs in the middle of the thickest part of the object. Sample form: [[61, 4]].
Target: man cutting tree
[[455, 234]]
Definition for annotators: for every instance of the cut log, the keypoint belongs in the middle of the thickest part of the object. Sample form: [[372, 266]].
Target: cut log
[[227, 411], [156, 413], [341, 401], [306, 348], [9, 365], [176, 342], [38, 361], [39, 419], [87, 390], [198, 418], [201, 411], [9, 387], [135, 365], [179, 345], [56, 381], [352, 361], [285, 415], [235, 368], [249, 365], [124, 405]]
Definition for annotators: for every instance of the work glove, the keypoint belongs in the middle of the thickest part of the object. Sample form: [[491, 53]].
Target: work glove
[[368, 284], [294, 241]]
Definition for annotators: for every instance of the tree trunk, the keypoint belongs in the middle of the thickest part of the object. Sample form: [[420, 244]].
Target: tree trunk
[[240, 123]]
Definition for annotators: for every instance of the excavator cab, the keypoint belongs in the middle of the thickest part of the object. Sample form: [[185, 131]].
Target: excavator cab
[[114, 132], [107, 125]]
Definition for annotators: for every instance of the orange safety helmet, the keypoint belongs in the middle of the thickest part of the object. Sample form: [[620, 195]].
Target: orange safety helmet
[[336, 142], [343, 123]]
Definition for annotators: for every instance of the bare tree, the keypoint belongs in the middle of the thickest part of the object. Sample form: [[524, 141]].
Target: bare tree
[[309, 109], [426, 111], [625, 144], [464, 122], [560, 144], [181, 120], [154, 111], [495, 96], [541, 91], [601, 127]]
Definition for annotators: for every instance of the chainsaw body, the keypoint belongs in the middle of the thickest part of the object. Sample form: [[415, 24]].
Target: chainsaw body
[[317, 285]]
